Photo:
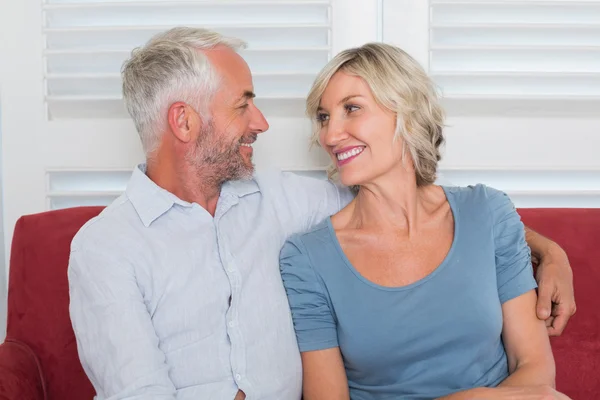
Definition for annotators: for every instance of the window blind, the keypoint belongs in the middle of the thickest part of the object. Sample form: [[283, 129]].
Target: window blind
[[516, 50], [76, 187], [86, 42]]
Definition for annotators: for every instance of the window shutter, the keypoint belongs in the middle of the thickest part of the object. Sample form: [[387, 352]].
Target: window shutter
[[87, 42], [527, 51]]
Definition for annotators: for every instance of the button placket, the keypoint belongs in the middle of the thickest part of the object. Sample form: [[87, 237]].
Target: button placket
[[237, 355]]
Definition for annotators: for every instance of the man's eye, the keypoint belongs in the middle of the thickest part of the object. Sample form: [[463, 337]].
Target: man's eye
[[322, 117]]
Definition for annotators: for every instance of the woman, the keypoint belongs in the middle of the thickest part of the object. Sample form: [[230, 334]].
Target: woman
[[414, 290]]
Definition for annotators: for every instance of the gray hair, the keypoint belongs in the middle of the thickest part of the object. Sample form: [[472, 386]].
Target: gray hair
[[400, 85], [167, 69]]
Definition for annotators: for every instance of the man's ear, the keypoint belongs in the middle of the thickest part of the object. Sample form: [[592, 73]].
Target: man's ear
[[183, 121]]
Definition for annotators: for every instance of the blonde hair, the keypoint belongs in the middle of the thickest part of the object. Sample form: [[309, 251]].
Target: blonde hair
[[400, 85], [168, 69]]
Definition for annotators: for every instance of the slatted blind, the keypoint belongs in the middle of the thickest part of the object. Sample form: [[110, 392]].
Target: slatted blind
[[86, 42], [516, 50], [72, 188]]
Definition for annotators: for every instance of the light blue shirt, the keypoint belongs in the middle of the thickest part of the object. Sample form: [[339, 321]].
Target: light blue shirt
[[168, 302], [436, 336]]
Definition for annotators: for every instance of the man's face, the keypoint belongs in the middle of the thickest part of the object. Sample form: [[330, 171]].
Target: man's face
[[225, 142]]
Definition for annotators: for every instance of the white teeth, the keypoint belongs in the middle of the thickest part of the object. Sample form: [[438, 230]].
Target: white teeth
[[350, 153], [246, 144]]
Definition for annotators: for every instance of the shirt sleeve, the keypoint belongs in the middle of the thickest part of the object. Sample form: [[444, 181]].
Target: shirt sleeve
[[514, 273], [116, 341], [313, 199], [313, 318]]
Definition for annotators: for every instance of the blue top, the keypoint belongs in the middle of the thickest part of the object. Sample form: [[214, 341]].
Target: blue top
[[436, 336]]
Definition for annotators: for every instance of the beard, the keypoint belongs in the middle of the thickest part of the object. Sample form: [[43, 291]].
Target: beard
[[216, 160]]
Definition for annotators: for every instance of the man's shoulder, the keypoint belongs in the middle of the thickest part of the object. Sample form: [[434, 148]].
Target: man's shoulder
[[118, 221], [281, 182]]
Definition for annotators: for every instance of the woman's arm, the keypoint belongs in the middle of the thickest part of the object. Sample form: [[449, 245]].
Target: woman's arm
[[324, 376], [530, 360], [543, 392]]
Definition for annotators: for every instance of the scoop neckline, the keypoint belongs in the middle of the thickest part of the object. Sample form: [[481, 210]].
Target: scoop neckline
[[455, 212]]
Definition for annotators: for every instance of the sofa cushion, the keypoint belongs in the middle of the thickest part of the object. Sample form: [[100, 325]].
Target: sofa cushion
[[38, 297]]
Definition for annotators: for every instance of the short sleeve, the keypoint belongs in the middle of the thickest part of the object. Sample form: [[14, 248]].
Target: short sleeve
[[514, 273], [313, 318]]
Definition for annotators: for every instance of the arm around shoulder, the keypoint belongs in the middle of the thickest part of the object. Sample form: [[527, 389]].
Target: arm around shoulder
[[312, 199]]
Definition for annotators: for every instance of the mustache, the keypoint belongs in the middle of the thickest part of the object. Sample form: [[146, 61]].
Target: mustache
[[250, 138]]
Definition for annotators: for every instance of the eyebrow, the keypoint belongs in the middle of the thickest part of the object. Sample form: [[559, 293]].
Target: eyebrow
[[345, 99], [248, 94]]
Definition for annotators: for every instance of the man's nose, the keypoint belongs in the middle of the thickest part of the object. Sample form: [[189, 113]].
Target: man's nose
[[258, 123]]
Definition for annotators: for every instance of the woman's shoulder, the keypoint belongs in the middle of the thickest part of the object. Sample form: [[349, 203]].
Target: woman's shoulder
[[314, 235], [309, 244], [479, 196]]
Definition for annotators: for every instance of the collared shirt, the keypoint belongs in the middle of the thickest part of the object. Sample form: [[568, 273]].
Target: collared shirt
[[169, 302]]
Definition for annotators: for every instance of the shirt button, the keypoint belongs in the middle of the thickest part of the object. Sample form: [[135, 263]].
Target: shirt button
[[238, 377], [231, 324]]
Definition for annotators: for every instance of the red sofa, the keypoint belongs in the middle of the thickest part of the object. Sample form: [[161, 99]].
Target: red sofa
[[39, 358]]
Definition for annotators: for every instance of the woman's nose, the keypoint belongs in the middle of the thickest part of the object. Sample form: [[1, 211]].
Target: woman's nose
[[336, 132]]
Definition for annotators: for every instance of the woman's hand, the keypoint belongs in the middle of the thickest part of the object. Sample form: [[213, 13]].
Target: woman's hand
[[541, 392], [532, 392]]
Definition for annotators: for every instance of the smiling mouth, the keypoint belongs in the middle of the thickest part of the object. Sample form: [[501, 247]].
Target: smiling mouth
[[349, 154], [248, 141]]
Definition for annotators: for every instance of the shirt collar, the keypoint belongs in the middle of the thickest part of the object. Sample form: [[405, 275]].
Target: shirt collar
[[240, 188], [150, 201]]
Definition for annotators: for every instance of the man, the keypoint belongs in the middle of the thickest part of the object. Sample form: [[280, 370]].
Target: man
[[175, 287]]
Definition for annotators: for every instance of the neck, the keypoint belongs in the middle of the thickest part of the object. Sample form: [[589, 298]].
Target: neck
[[391, 203], [189, 183]]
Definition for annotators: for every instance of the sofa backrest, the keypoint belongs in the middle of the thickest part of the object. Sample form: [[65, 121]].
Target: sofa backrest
[[38, 298], [577, 350]]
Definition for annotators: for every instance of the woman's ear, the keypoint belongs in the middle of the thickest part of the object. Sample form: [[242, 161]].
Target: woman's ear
[[183, 121]]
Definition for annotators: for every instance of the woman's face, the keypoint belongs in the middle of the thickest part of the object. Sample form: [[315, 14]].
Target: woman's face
[[357, 132]]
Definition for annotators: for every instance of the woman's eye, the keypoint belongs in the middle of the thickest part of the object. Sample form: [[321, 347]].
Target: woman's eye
[[321, 117], [351, 108]]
